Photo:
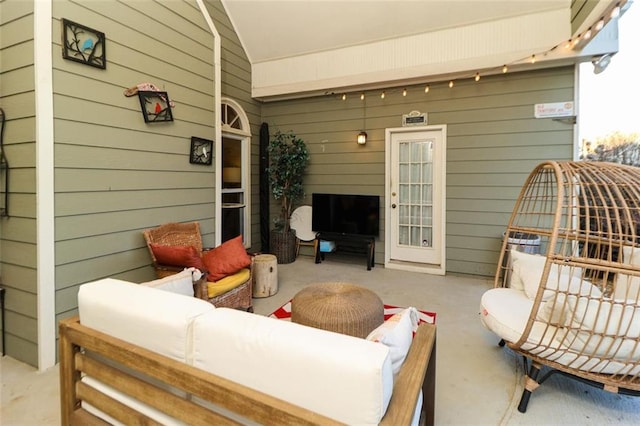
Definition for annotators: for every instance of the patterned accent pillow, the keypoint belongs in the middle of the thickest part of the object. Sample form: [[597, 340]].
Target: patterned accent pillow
[[397, 334]]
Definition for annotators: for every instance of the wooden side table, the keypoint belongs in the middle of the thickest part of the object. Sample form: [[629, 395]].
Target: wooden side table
[[265, 275]]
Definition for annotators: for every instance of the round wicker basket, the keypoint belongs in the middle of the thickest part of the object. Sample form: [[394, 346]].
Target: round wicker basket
[[340, 307]]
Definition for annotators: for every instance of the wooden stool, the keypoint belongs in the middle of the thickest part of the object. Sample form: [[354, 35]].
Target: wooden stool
[[265, 275], [340, 307]]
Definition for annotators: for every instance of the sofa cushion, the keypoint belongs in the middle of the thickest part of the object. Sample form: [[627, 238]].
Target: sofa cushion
[[604, 327], [628, 286], [226, 259], [297, 364], [157, 320], [505, 312], [527, 273]]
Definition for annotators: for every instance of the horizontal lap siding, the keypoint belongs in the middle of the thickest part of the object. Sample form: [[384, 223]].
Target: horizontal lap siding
[[236, 85], [18, 232], [493, 141], [116, 175]]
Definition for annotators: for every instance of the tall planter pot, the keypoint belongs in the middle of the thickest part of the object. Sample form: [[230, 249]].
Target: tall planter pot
[[283, 246]]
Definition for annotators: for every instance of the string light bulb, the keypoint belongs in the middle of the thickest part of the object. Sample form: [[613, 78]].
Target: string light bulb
[[615, 12], [505, 69], [450, 84], [477, 76], [426, 89], [362, 96], [568, 44], [404, 92], [382, 95], [600, 25], [533, 59], [587, 34], [344, 96]]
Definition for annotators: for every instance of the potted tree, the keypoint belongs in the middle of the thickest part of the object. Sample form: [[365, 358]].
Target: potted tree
[[288, 158]]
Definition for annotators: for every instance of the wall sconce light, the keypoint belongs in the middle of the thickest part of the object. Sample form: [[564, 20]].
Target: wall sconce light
[[600, 63], [362, 138]]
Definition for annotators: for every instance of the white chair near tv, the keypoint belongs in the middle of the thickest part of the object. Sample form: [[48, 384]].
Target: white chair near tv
[[300, 222]]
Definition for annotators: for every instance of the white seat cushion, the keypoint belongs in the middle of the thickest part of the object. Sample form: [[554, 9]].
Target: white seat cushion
[[505, 311]]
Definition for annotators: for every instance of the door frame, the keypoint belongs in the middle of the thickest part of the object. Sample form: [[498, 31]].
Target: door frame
[[439, 269]]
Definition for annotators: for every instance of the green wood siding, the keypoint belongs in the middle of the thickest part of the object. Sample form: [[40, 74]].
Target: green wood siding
[[493, 141], [116, 175], [236, 84], [18, 232]]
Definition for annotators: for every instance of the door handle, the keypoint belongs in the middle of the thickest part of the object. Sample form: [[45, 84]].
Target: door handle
[[393, 206]]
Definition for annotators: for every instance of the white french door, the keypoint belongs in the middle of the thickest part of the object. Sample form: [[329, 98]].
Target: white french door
[[415, 198]]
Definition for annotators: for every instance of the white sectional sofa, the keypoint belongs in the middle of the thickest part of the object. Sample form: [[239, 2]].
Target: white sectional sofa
[[140, 352]]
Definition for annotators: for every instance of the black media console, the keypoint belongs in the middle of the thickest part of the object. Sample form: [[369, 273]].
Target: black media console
[[360, 244]]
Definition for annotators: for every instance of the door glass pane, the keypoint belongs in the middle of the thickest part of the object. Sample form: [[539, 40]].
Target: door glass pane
[[415, 198], [403, 235], [404, 215]]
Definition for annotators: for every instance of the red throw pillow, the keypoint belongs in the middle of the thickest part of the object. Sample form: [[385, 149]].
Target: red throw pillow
[[226, 259], [186, 256]]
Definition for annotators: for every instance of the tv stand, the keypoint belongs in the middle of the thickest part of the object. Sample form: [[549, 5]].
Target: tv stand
[[361, 244]]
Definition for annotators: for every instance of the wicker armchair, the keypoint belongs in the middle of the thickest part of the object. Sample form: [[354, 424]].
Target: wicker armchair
[[188, 234]]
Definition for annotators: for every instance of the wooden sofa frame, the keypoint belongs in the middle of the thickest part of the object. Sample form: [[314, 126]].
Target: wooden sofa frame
[[79, 343]]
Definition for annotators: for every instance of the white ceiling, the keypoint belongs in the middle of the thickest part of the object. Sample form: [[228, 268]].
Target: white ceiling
[[275, 29], [311, 47]]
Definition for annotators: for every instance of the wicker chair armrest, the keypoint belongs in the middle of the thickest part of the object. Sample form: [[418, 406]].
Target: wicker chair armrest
[[200, 287]]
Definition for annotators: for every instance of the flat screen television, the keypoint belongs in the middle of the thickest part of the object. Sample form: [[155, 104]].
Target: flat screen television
[[346, 214]]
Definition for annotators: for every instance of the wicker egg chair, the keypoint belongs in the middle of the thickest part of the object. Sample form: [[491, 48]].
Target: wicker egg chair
[[574, 308]]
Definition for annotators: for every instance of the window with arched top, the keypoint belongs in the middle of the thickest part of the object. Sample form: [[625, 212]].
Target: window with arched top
[[234, 211], [234, 118]]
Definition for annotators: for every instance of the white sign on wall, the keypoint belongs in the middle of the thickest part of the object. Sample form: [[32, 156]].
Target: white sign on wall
[[414, 118], [552, 110]]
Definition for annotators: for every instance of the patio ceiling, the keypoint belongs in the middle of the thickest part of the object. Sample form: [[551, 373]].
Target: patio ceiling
[[310, 47], [276, 29]]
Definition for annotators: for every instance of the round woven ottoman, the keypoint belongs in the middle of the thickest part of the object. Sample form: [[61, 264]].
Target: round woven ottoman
[[340, 307]]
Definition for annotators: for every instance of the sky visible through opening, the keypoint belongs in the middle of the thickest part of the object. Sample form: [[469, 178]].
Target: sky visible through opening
[[609, 101]]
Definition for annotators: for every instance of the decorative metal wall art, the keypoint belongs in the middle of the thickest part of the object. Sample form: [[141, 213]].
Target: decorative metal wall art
[[83, 44], [156, 106], [201, 151], [4, 173]]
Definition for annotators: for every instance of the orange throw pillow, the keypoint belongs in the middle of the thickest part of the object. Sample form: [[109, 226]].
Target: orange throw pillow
[[186, 256], [226, 259]]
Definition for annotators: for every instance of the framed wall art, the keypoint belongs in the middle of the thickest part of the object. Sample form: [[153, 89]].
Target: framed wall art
[[83, 44], [156, 106], [201, 151]]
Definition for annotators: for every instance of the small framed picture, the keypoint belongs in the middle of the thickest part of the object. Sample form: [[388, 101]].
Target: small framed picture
[[156, 106], [201, 151], [83, 44]]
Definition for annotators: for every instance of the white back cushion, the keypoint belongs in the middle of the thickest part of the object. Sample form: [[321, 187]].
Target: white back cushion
[[342, 377], [628, 286], [527, 271], [156, 320]]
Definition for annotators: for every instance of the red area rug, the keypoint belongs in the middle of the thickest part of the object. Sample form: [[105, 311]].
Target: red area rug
[[284, 313]]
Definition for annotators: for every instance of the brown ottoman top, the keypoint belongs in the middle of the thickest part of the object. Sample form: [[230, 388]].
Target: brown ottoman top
[[340, 307]]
